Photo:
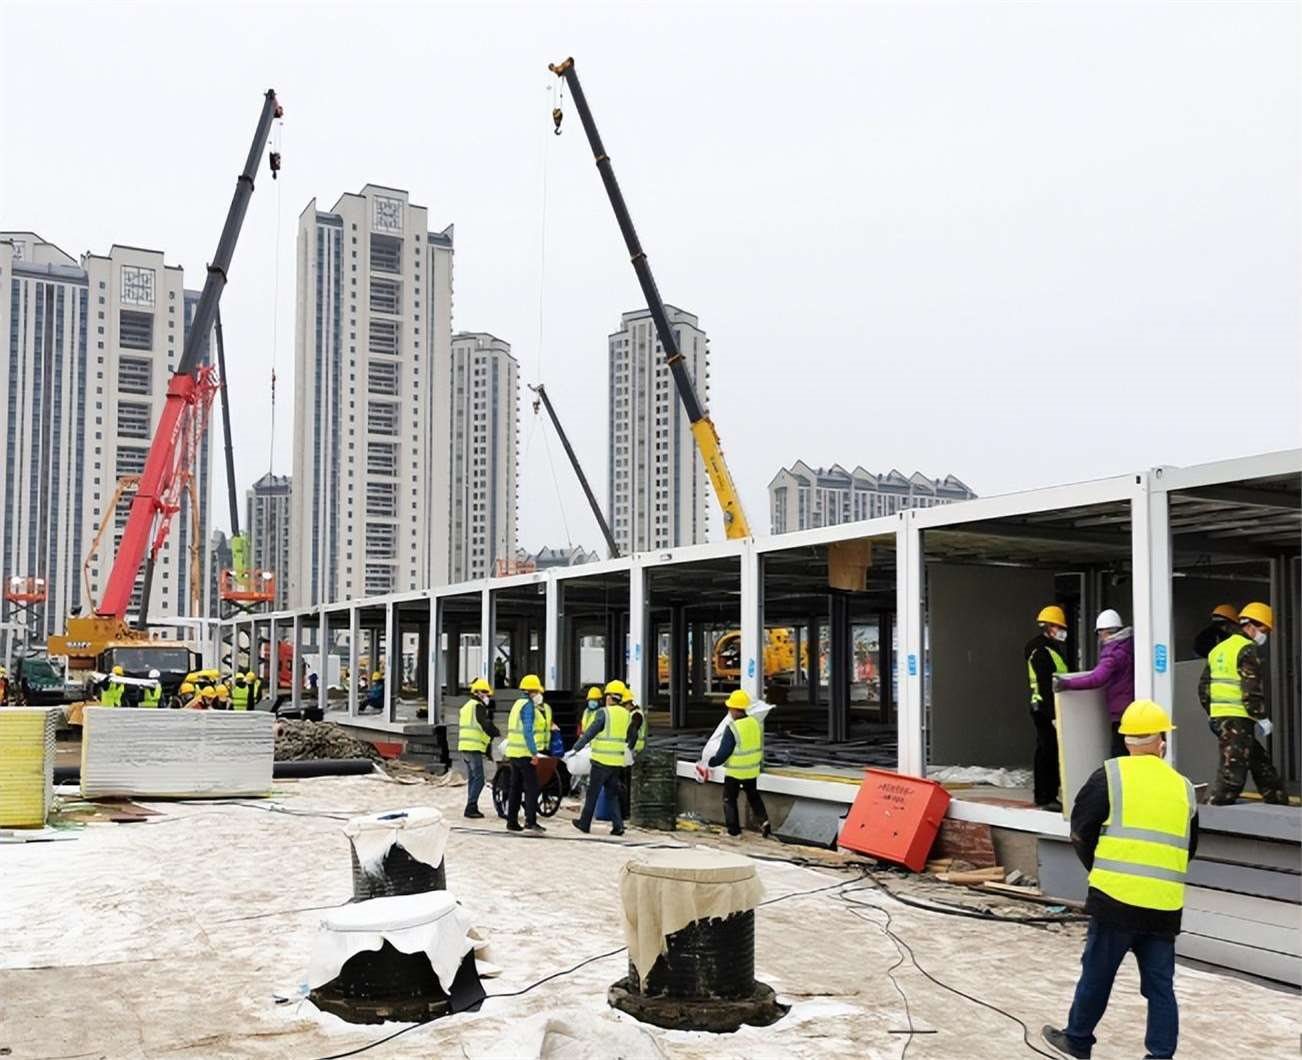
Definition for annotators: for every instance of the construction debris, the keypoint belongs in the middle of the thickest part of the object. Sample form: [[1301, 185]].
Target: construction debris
[[303, 740]]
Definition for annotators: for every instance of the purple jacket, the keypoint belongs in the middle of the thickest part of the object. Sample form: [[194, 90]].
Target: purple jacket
[[1115, 673]]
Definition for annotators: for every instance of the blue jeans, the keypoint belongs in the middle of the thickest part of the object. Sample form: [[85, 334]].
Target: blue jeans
[[607, 778], [475, 777], [1105, 949]]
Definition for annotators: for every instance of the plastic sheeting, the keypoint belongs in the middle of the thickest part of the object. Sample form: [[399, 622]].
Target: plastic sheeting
[[664, 891], [997, 778], [432, 923], [421, 831], [172, 753], [758, 710]]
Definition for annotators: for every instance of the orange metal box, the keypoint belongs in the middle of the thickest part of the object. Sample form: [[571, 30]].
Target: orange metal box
[[895, 817]]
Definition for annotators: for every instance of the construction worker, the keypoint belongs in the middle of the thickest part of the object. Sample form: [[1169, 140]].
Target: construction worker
[[4, 686], [475, 731], [637, 719], [590, 710], [1136, 859], [741, 753], [240, 692], [1114, 674], [187, 696], [111, 691], [1224, 624], [1044, 660], [612, 733], [528, 731], [375, 694], [222, 697], [152, 696], [205, 700], [1233, 693], [255, 688]]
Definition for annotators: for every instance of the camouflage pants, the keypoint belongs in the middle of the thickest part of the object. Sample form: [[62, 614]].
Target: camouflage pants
[[1241, 754]]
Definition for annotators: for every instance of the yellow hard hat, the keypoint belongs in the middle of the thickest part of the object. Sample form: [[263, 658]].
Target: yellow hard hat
[[221, 690], [1259, 613], [1226, 611], [187, 689], [480, 685], [1053, 614], [594, 693], [628, 695], [376, 676], [738, 700], [117, 671], [616, 687], [250, 676], [530, 683], [209, 692], [1145, 718]]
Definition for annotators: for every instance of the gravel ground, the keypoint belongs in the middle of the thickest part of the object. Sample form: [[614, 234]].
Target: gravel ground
[[175, 937]]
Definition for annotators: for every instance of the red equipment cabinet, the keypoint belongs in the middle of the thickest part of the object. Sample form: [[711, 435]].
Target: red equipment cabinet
[[895, 817]]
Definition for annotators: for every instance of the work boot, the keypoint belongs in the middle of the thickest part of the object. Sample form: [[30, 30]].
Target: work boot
[[535, 827], [1059, 1040], [473, 811], [513, 826], [579, 826], [1050, 807], [620, 832], [765, 830]]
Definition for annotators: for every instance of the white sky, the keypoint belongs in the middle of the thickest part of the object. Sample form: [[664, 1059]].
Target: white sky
[[1021, 243]]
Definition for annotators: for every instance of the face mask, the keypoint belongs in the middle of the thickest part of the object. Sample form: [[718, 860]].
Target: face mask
[[1060, 635], [1260, 638], [535, 698]]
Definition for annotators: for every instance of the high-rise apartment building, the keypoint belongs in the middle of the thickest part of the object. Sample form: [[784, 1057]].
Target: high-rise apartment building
[[371, 437], [485, 400], [656, 481], [801, 497], [266, 521], [89, 348]]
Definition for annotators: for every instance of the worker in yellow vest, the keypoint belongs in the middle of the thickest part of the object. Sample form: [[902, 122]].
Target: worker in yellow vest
[[637, 719], [1135, 828], [152, 695], [110, 694], [240, 692], [741, 753], [475, 731], [1233, 693], [593, 705], [528, 734], [255, 688], [612, 734], [1044, 660]]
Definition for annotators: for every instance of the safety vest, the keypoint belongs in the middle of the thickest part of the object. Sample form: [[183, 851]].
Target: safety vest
[[111, 695], [240, 697], [1143, 851], [1059, 666], [1226, 688], [609, 747], [640, 743], [152, 696], [744, 762], [470, 734], [516, 747], [589, 713]]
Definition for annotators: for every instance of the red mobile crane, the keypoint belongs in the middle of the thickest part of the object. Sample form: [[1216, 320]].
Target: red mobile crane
[[90, 639]]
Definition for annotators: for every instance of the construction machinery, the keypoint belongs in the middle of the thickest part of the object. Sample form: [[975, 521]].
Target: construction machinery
[[102, 639], [703, 429]]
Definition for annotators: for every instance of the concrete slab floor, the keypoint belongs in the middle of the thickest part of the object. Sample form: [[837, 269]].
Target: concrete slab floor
[[173, 938]]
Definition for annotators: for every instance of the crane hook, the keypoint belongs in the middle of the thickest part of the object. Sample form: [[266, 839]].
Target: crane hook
[[557, 115]]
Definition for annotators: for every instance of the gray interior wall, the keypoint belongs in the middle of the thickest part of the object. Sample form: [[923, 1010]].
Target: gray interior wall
[[979, 620], [1192, 600], [1196, 750]]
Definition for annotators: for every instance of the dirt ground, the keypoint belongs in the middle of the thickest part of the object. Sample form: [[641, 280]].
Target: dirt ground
[[187, 935]]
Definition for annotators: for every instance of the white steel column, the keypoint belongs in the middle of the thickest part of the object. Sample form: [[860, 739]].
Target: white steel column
[[273, 661], [433, 671], [909, 656], [354, 652], [322, 661], [551, 632], [1151, 586], [635, 652], [389, 697], [752, 622], [488, 635], [295, 685]]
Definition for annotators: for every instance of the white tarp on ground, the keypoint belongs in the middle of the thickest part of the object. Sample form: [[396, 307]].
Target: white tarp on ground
[[664, 891], [421, 831], [997, 778], [432, 923], [173, 753], [575, 1036]]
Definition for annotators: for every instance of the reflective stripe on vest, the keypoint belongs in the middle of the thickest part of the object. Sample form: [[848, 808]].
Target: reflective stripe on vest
[[639, 745], [470, 734], [1143, 851], [609, 747], [240, 697], [1059, 667], [516, 747], [744, 762], [1226, 688], [152, 697]]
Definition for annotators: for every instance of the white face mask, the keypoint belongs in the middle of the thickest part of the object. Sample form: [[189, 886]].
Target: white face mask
[[535, 698], [1260, 638], [1059, 634]]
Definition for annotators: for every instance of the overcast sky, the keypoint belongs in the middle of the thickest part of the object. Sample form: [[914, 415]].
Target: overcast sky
[[1022, 243]]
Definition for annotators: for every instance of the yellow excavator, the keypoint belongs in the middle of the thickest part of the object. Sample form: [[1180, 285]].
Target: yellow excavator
[[703, 430]]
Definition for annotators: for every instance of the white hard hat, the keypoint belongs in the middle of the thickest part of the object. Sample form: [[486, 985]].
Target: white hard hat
[[154, 674], [1108, 619]]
